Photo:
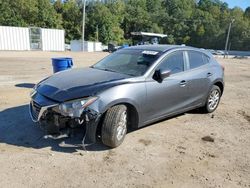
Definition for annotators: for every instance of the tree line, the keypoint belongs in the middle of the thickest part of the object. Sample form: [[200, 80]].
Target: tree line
[[202, 23]]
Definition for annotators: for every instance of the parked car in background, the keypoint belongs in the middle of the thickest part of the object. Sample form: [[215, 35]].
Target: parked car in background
[[67, 47], [216, 52], [219, 52], [128, 89], [112, 47], [211, 51]]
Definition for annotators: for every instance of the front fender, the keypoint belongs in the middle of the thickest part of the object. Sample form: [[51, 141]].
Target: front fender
[[120, 101], [133, 94]]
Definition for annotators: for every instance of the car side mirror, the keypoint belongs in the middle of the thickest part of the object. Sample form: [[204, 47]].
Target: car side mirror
[[165, 74], [160, 75]]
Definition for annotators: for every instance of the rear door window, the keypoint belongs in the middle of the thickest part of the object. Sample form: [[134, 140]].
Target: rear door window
[[197, 59]]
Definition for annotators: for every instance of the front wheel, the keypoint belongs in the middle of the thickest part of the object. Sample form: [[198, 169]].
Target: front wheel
[[213, 99], [114, 127]]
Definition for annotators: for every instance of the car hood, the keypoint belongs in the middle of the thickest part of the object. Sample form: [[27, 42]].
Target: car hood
[[79, 83]]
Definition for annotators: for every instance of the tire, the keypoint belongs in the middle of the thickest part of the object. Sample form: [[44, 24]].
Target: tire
[[213, 100], [114, 127]]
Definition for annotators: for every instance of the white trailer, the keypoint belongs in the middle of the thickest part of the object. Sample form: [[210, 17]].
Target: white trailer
[[53, 40], [89, 46], [21, 38], [14, 38]]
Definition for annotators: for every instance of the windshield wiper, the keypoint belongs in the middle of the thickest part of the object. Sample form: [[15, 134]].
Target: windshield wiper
[[110, 70], [105, 69]]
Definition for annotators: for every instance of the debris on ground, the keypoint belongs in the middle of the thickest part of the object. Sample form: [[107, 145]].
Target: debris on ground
[[208, 139], [210, 155], [139, 172]]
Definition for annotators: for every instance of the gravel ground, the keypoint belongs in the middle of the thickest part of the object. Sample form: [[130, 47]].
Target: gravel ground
[[170, 153]]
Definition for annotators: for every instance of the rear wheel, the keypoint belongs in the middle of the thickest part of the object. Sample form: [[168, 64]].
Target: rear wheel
[[213, 99], [114, 127]]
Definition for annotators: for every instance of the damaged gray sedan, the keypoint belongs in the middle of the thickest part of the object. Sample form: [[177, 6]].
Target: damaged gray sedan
[[128, 89]]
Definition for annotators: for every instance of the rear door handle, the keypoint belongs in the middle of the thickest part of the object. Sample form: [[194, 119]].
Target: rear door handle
[[209, 74], [183, 83]]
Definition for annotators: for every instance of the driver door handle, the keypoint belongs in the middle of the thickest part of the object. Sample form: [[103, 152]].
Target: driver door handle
[[209, 74], [183, 83]]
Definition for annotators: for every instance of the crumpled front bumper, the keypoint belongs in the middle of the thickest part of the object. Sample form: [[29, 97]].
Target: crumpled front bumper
[[36, 111], [41, 111]]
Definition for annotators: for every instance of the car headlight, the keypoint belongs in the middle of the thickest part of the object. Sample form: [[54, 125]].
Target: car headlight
[[76, 107]]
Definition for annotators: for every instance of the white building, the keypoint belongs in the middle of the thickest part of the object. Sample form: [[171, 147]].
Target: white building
[[89, 46], [21, 38]]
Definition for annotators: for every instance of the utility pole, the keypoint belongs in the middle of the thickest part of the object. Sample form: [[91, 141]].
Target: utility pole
[[228, 35], [83, 23], [97, 34]]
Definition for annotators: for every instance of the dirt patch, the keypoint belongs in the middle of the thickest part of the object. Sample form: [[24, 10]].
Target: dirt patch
[[145, 142], [245, 115], [181, 149], [209, 155], [109, 157]]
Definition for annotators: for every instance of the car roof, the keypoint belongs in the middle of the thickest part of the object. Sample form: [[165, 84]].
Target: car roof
[[158, 47], [164, 48]]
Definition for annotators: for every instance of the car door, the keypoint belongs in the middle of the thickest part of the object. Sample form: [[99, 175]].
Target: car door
[[170, 95], [199, 76]]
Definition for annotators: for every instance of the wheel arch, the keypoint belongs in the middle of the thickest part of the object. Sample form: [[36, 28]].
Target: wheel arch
[[133, 115], [220, 85]]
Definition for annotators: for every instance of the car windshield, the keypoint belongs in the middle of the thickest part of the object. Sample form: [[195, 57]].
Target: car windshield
[[127, 61]]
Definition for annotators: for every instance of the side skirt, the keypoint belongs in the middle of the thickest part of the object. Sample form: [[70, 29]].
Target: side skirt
[[169, 115]]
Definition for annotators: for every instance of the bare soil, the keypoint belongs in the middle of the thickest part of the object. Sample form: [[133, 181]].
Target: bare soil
[[170, 153]]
